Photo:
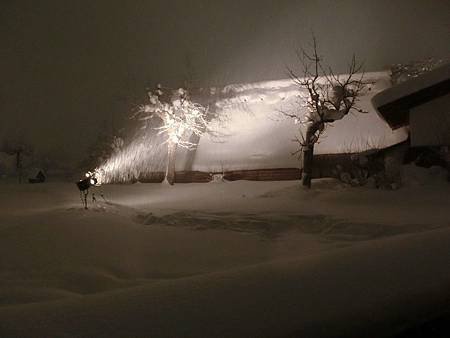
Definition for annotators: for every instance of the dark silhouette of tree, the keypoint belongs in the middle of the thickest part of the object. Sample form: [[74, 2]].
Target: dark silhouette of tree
[[330, 97], [19, 148]]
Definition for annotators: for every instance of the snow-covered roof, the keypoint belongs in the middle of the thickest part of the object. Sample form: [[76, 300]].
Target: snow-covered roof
[[258, 136], [252, 133], [393, 104]]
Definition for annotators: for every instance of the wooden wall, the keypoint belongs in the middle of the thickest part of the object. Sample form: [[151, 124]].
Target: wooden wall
[[323, 167]]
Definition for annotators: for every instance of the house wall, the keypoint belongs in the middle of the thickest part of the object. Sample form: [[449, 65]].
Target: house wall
[[430, 123], [323, 166]]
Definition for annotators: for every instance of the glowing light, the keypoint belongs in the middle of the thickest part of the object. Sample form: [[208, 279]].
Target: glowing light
[[145, 154], [179, 117]]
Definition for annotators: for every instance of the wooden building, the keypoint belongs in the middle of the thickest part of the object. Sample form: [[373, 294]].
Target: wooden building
[[423, 104]]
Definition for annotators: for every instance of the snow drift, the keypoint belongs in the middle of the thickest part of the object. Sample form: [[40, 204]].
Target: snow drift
[[240, 259]]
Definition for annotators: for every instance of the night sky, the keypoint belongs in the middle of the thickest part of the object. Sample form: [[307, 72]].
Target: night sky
[[68, 67]]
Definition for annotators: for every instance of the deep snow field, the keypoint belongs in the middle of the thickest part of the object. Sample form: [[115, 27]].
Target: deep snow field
[[228, 259]]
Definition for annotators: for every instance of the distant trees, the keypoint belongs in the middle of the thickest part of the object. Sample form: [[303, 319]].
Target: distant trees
[[329, 98], [178, 118], [18, 148]]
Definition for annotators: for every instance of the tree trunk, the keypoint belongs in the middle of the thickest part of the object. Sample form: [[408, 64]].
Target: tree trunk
[[170, 170], [308, 155], [19, 165], [194, 139]]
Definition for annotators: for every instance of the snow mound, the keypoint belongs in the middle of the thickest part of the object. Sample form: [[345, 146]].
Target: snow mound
[[381, 287], [239, 259]]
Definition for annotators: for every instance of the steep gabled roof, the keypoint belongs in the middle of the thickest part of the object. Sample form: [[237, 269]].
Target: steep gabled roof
[[394, 104]]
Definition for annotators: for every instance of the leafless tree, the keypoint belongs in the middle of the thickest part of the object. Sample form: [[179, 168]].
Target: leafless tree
[[329, 97], [17, 147], [179, 117]]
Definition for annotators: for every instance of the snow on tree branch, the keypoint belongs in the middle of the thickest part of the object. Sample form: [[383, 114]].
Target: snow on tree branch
[[329, 97], [179, 115]]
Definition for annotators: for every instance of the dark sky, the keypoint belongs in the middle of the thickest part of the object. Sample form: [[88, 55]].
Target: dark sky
[[65, 65]]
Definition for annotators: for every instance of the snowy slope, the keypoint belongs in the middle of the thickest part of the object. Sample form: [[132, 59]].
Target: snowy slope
[[373, 290]]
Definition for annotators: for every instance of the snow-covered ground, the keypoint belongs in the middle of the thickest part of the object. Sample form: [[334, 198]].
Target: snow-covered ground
[[230, 259]]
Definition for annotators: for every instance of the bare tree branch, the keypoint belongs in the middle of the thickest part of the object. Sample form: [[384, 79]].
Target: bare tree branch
[[330, 97]]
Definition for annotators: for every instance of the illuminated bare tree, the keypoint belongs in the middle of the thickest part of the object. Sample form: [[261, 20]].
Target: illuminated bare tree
[[329, 97], [179, 118]]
